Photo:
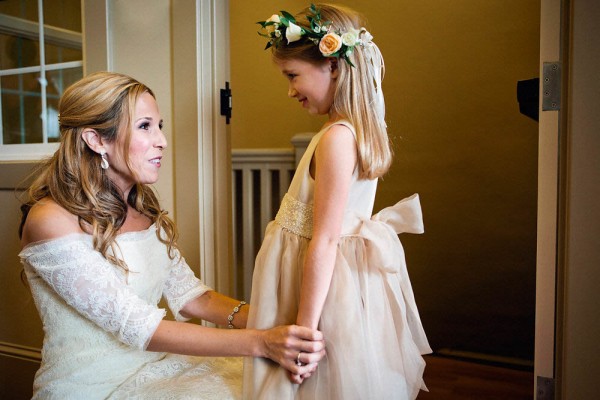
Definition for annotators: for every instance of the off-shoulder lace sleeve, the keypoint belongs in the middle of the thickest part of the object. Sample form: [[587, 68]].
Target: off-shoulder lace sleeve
[[95, 288], [182, 286]]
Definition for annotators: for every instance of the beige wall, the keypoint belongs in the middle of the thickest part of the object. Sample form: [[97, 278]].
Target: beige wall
[[581, 319], [460, 142]]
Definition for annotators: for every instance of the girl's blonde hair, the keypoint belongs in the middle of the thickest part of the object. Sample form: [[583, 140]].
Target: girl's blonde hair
[[355, 94], [73, 177]]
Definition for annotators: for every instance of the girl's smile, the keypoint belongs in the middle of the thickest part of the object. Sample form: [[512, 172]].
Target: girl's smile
[[311, 84]]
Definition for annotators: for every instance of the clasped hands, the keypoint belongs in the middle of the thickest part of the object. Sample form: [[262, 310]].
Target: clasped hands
[[298, 349]]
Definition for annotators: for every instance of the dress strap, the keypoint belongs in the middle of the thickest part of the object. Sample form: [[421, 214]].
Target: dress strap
[[295, 216]]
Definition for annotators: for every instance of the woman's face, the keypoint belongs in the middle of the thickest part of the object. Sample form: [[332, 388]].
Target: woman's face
[[313, 85], [145, 149]]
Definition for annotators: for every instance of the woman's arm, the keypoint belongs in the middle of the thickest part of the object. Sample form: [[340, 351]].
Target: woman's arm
[[336, 157], [280, 344], [82, 277], [215, 307]]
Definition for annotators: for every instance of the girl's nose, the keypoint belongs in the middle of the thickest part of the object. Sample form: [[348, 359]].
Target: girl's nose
[[292, 92]]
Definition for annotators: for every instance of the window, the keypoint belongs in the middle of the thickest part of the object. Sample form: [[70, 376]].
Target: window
[[36, 65]]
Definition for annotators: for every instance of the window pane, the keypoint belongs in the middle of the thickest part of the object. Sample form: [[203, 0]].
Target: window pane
[[58, 81], [56, 54], [21, 109], [65, 45], [24, 9], [65, 14], [18, 52]]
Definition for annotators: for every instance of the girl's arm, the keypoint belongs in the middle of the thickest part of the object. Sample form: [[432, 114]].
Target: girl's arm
[[335, 157]]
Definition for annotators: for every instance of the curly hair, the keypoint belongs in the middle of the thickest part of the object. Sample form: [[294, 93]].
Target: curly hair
[[73, 177]]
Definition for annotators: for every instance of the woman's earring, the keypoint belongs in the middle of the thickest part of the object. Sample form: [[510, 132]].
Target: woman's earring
[[104, 162]]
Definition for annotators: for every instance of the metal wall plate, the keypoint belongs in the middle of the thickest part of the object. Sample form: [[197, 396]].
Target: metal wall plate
[[551, 86], [545, 388]]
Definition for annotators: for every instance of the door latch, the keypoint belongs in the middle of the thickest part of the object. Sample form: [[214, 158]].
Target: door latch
[[226, 102]]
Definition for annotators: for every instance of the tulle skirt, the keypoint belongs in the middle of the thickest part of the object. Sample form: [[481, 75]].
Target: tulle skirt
[[374, 338]]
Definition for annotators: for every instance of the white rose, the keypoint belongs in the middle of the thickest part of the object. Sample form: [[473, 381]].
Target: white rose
[[293, 33], [274, 18], [350, 38]]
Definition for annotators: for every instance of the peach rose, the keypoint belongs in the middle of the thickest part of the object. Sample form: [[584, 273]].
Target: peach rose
[[330, 43]]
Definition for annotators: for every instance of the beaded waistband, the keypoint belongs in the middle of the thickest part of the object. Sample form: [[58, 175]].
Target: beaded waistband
[[295, 216]]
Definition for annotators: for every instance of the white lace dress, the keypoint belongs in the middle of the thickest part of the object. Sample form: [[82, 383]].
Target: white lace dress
[[98, 321]]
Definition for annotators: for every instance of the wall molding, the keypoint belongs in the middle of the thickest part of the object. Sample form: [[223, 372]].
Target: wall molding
[[21, 352]]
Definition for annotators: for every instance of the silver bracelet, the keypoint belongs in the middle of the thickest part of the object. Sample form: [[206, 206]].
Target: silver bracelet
[[236, 309]]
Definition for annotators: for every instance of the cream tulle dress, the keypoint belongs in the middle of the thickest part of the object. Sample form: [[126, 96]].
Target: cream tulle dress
[[373, 333]]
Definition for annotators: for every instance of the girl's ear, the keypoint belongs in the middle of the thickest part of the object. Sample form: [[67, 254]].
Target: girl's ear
[[93, 140], [333, 67]]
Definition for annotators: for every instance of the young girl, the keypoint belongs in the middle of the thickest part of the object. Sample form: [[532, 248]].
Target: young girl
[[325, 262]]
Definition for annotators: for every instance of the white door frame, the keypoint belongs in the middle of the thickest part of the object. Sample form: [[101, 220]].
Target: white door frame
[[553, 19], [215, 166], [202, 178]]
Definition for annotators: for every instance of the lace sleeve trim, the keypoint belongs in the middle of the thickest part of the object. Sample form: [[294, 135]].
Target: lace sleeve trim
[[182, 286]]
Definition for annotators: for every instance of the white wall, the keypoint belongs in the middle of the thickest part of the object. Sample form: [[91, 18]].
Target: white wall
[[140, 46]]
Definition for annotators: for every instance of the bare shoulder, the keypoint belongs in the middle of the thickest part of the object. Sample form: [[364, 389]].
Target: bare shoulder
[[48, 220], [338, 133], [338, 141]]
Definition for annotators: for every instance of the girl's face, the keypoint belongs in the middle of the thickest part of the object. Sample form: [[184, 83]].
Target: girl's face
[[311, 84], [145, 148]]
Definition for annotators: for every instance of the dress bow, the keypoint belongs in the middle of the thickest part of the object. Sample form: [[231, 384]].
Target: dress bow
[[381, 232]]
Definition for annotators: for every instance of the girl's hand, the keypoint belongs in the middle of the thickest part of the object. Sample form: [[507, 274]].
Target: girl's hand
[[294, 378], [283, 344]]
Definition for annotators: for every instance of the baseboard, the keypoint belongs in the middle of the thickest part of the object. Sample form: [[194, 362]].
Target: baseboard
[[511, 362], [21, 352]]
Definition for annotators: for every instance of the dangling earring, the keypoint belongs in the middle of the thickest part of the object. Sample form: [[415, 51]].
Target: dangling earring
[[104, 162]]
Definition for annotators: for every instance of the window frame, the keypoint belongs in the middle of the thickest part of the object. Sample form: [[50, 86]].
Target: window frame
[[49, 35]]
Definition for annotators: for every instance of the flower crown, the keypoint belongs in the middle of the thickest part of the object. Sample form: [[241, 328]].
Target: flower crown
[[331, 43]]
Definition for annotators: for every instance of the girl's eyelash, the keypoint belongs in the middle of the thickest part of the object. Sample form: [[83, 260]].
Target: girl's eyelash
[[144, 125]]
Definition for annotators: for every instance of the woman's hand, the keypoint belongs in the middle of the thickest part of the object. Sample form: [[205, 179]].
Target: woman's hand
[[287, 345]]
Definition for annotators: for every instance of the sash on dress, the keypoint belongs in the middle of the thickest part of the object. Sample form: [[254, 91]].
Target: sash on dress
[[385, 251]]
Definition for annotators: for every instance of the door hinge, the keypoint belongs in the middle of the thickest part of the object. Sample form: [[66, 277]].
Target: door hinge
[[545, 388], [226, 102], [551, 86]]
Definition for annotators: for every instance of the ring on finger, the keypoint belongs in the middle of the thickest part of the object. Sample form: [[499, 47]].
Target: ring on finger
[[298, 362]]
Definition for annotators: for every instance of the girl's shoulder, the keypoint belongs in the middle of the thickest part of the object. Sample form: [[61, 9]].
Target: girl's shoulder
[[341, 124], [338, 143], [48, 220], [338, 132]]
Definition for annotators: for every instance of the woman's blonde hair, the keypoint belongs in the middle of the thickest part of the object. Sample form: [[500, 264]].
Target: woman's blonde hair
[[355, 95], [73, 177]]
